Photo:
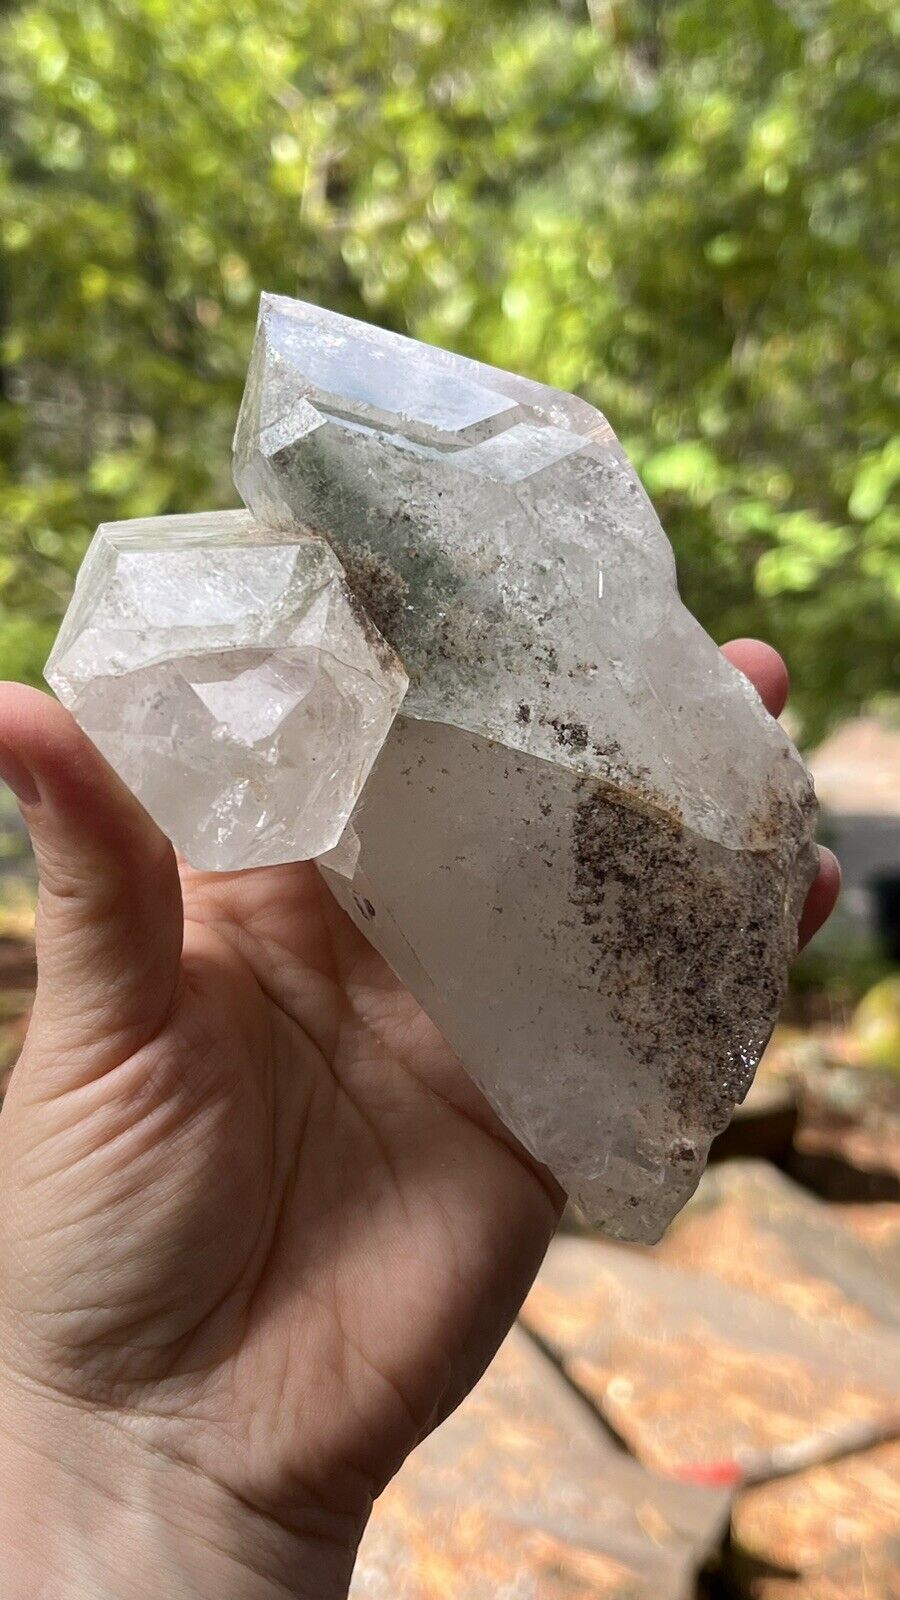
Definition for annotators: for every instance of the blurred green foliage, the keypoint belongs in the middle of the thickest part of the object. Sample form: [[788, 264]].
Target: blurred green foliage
[[876, 1025], [682, 209]]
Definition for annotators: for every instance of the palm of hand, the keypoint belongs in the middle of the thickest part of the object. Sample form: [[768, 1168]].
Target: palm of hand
[[251, 1208], [299, 1231]]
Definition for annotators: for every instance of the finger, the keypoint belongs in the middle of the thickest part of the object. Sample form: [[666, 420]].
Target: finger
[[820, 901], [109, 924], [769, 676], [765, 669]]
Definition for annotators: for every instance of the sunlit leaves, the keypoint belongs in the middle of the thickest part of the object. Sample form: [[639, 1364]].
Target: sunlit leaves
[[683, 211]]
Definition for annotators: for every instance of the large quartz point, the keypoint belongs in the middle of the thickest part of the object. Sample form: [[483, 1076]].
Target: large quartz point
[[585, 844], [231, 678]]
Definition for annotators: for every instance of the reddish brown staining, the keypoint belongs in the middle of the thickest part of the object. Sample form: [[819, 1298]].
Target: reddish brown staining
[[570, 735], [466, 638], [443, 614], [693, 951], [608, 751], [782, 821], [378, 588]]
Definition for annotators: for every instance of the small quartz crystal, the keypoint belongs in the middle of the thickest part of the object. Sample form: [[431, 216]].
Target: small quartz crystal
[[232, 680]]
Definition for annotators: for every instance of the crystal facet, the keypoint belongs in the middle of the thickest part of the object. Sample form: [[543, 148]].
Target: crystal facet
[[585, 844], [231, 678]]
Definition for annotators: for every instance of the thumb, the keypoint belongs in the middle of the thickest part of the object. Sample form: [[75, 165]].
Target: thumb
[[109, 924]]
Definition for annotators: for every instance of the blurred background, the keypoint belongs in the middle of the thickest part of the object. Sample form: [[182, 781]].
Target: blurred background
[[688, 212]]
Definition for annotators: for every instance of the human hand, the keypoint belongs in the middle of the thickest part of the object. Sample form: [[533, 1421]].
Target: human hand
[[259, 1232]]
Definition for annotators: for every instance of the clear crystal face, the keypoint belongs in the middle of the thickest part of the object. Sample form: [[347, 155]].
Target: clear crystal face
[[230, 678], [585, 844]]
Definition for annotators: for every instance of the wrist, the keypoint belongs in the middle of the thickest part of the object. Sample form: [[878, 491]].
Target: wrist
[[89, 1513]]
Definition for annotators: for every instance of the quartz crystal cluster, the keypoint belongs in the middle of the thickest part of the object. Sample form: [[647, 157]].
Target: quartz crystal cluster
[[583, 843]]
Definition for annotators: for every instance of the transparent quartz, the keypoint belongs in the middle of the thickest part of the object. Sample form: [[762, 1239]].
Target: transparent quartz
[[231, 678]]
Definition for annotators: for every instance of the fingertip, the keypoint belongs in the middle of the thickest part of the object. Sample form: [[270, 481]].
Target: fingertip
[[51, 764], [41, 733], [109, 925], [822, 897], [764, 667], [31, 724], [22, 712]]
